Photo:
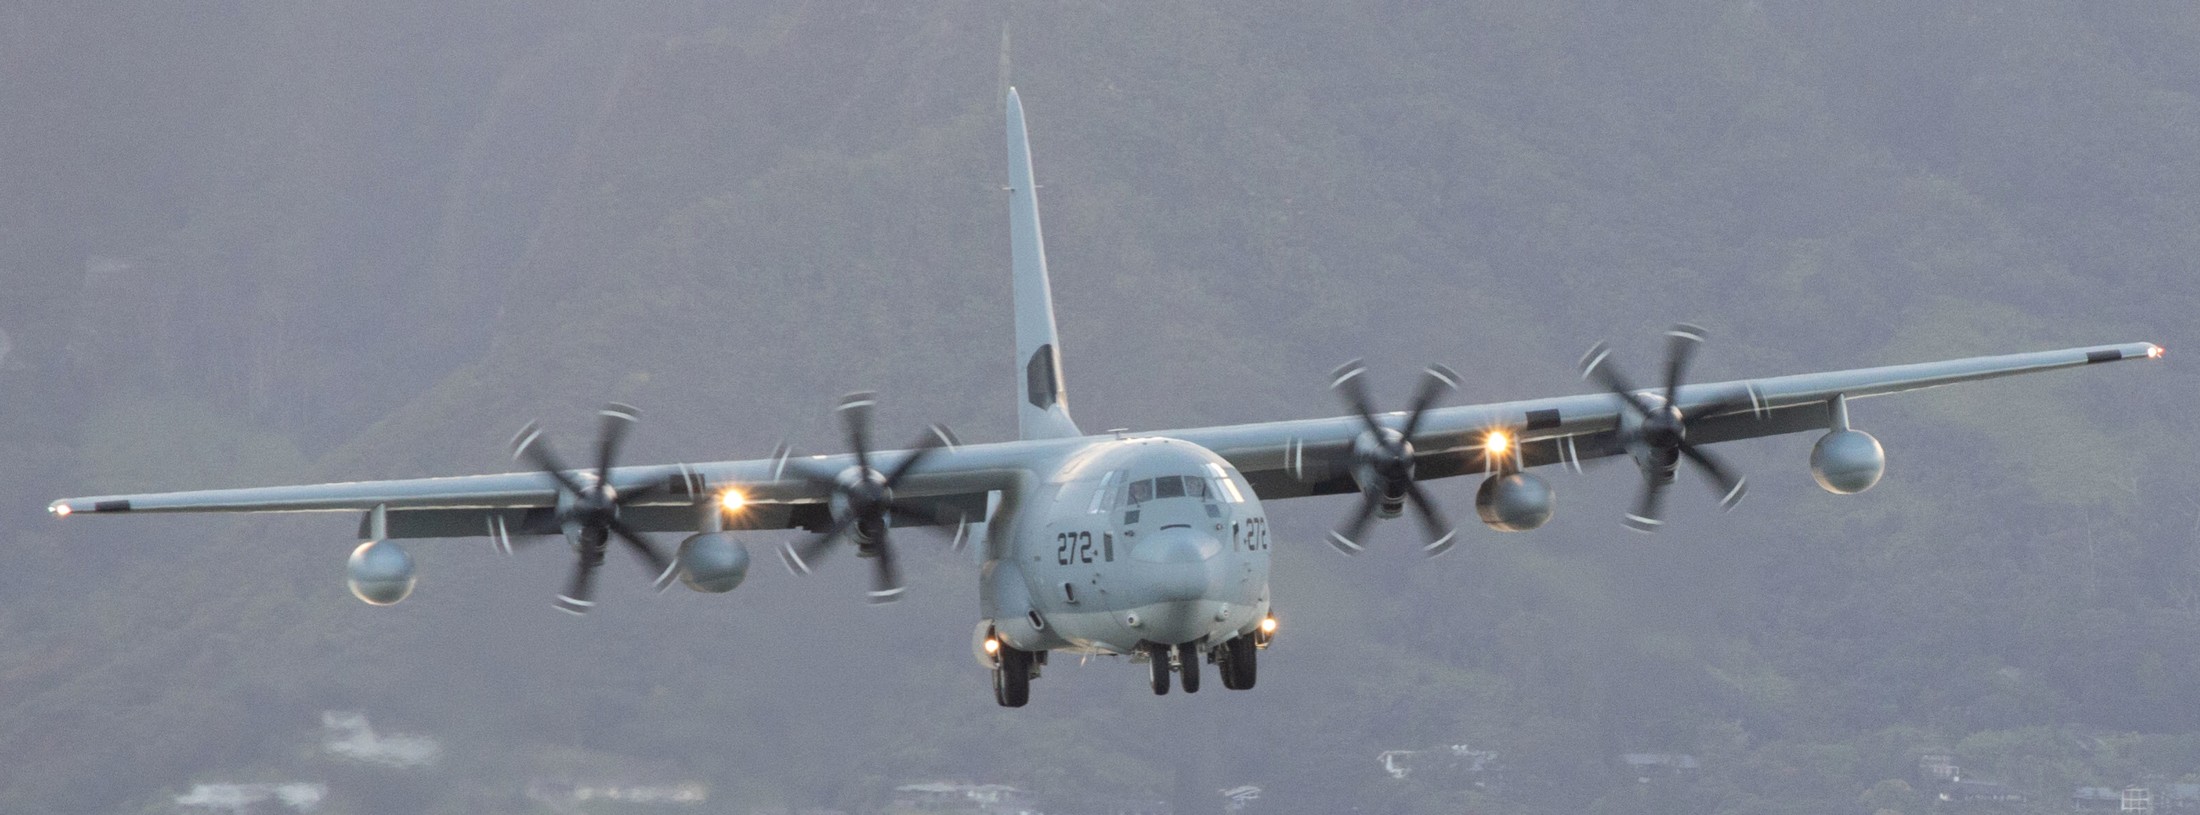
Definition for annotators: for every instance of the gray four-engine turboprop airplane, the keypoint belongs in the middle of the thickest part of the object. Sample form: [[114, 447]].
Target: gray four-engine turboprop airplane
[[1154, 545]]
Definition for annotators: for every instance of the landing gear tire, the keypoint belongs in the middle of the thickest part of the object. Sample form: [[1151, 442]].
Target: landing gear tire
[[1160, 661], [1012, 678], [1239, 662], [1187, 666]]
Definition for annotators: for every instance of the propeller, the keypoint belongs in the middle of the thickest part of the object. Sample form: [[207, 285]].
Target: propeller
[[863, 503], [1660, 438], [1383, 460], [588, 509]]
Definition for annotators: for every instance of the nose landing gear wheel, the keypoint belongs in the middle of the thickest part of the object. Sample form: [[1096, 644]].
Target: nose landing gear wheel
[[1160, 662], [1187, 665], [1012, 678]]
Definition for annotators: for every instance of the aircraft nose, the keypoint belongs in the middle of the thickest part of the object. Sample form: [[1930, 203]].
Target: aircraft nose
[[1181, 555], [1176, 544]]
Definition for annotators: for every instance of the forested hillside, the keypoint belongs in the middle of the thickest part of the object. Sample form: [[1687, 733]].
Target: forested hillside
[[254, 242]]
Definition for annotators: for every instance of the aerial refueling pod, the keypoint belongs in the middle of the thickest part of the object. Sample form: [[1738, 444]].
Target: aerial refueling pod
[[380, 573], [713, 562], [1514, 502], [1847, 461]]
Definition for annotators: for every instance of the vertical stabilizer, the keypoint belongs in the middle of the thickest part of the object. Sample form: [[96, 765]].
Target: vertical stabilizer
[[1042, 409]]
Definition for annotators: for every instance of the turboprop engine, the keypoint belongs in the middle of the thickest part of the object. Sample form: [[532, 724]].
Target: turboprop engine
[[1515, 502], [713, 562], [1846, 461], [380, 573]]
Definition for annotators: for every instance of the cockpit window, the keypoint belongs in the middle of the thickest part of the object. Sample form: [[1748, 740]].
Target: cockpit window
[[1104, 497], [1168, 486], [1223, 485]]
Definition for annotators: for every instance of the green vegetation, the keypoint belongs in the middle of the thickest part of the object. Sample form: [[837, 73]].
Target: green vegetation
[[280, 241]]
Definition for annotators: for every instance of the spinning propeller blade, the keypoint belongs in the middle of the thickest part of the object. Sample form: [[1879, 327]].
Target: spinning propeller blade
[[1384, 466], [1662, 432], [864, 502], [592, 509]]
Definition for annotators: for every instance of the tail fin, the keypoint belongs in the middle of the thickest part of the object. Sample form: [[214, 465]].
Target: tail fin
[[1043, 412]]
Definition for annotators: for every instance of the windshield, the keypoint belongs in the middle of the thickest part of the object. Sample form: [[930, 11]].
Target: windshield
[[1168, 486]]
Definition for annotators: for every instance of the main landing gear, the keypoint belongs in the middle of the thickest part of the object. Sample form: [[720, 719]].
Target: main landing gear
[[1012, 673], [1238, 660]]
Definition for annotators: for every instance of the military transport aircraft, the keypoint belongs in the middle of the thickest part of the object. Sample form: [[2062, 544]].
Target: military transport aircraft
[[1153, 545]]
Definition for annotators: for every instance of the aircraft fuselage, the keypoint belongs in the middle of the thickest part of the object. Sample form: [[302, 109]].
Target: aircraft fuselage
[[1129, 543]]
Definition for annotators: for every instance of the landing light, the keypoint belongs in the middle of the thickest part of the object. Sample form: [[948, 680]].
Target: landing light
[[1497, 443], [61, 510], [1268, 625], [992, 646], [732, 500], [2154, 352]]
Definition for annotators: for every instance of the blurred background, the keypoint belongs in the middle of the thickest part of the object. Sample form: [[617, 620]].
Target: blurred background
[[254, 242]]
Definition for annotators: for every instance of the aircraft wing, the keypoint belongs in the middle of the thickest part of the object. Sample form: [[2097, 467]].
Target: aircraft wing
[[953, 481], [1281, 459], [1314, 457]]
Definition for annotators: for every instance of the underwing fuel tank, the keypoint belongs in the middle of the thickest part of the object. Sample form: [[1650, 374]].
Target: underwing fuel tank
[[713, 562], [1846, 462], [1517, 502], [380, 573]]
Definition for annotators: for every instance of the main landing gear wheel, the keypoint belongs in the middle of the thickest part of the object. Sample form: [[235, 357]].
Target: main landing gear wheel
[[1238, 660], [1012, 678], [1160, 662], [1187, 664]]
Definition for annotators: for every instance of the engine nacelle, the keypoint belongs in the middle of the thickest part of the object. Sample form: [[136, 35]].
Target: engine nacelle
[[1845, 462], [1514, 503], [380, 573], [713, 562]]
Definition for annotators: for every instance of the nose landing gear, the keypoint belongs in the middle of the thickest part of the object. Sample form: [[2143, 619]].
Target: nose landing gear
[[1187, 666], [1159, 660], [1183, 660]]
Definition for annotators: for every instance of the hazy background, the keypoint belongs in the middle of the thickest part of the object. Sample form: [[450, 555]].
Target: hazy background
[[263, 242]]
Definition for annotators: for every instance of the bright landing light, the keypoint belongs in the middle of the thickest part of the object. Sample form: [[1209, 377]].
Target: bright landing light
[[2154, 351], [61, 510], [1497, 443], [732, 500], [992, 646], [1268, 625]]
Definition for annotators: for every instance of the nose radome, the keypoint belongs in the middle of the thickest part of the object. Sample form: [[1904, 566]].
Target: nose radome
[[1176, 544]]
